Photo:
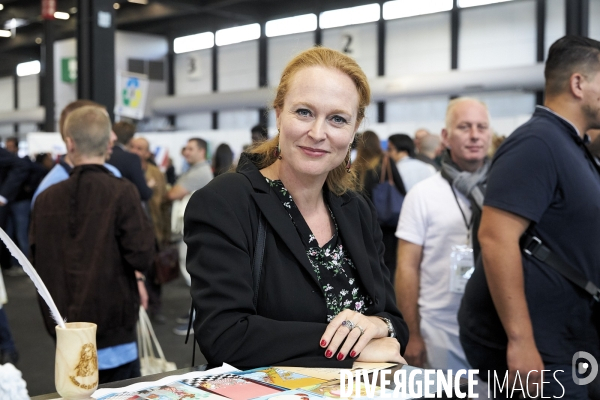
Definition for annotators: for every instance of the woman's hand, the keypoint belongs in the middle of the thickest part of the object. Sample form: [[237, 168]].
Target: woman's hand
[[364, 329], [384, 349]]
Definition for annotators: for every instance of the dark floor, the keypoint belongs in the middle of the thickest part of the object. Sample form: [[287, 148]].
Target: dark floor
[[36, 348]]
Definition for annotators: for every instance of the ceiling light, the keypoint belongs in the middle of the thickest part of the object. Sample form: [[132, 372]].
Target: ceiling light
[[288, 26], [61, 15], [116, 6], [73, 10], [1, 7], [473, 3], [138, 1], [4, 33], [238, 34], [38, 40], [409, 8], [29, 68], [14, 23], [199, 41], [349, 16]]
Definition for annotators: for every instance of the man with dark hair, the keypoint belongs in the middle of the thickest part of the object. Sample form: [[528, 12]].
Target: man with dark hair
[[128, 163], [124, 131], [199, 173], [201, 144], [89, 237], [196, 177], [401, 149], [259, 133], [12, 144], [522, 312]]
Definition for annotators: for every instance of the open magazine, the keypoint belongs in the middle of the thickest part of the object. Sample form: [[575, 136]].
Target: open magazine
[[273, 383]]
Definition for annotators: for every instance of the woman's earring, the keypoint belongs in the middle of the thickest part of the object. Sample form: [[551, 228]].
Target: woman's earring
[[349, 163], [278, 150]]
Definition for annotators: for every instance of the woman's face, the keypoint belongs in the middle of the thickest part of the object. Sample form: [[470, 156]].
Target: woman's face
[[318, 120]]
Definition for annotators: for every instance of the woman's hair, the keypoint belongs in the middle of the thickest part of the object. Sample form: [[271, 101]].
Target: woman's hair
[[338, 180], [368, 154], [222, 160], [403, 142]]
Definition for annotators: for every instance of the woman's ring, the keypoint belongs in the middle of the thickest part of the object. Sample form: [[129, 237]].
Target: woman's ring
[[362, 331], [348, 324]]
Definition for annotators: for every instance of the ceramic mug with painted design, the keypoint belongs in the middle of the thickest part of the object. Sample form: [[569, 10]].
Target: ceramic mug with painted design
[[76, 362]]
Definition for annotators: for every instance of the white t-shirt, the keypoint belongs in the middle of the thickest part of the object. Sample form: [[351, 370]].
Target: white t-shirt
[[430, 217], [413, 171]]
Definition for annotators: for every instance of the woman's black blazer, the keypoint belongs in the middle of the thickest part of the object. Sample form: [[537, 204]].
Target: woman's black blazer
[[221, 224]]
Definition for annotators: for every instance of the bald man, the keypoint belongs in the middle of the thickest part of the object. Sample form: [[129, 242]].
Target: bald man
[[419, 135], [431, 148], [157, 204], [160, 213], [439, 214]]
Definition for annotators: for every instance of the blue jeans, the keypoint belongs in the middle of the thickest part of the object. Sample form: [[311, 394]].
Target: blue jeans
[[17, 225], [7, 345], [126, 371]]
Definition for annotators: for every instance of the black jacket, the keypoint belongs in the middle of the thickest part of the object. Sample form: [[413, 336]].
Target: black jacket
[[221, 223], [130, 166], [13, 172]]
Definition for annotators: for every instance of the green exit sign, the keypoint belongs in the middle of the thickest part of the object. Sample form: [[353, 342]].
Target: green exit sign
[[69, 69]]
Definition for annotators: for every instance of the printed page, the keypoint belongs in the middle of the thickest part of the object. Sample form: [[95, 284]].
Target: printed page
[[327, 374], [100, 393], [232, 386]]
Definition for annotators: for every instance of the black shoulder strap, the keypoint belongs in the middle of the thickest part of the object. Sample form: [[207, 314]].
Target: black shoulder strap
[[259, 251], [533, 246]]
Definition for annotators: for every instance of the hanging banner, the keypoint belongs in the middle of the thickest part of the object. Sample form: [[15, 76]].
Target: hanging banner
[[132, 92], [48, 9]]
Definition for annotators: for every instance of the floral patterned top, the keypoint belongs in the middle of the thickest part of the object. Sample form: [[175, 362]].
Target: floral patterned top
[[335, 270]]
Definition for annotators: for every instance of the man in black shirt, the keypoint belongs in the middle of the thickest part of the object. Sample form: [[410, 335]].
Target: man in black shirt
[[128, 163], [518, 313]]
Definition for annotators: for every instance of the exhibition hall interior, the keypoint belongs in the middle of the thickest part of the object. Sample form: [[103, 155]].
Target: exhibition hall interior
[[187, 86]]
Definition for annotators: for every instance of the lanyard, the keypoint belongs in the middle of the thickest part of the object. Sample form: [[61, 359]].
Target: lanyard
[[469, 224]]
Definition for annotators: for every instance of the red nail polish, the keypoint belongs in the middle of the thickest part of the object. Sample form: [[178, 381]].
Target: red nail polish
[[328, 354], [353, 354], [323, 343], [340, 357]]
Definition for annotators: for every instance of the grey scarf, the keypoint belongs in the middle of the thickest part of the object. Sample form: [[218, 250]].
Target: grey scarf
[[471, 184]]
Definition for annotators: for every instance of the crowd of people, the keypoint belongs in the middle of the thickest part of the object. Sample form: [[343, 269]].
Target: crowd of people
[[103, 208], [488, 261]]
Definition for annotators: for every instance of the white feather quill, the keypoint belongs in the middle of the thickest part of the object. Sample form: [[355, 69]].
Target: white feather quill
[[37, 281]]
